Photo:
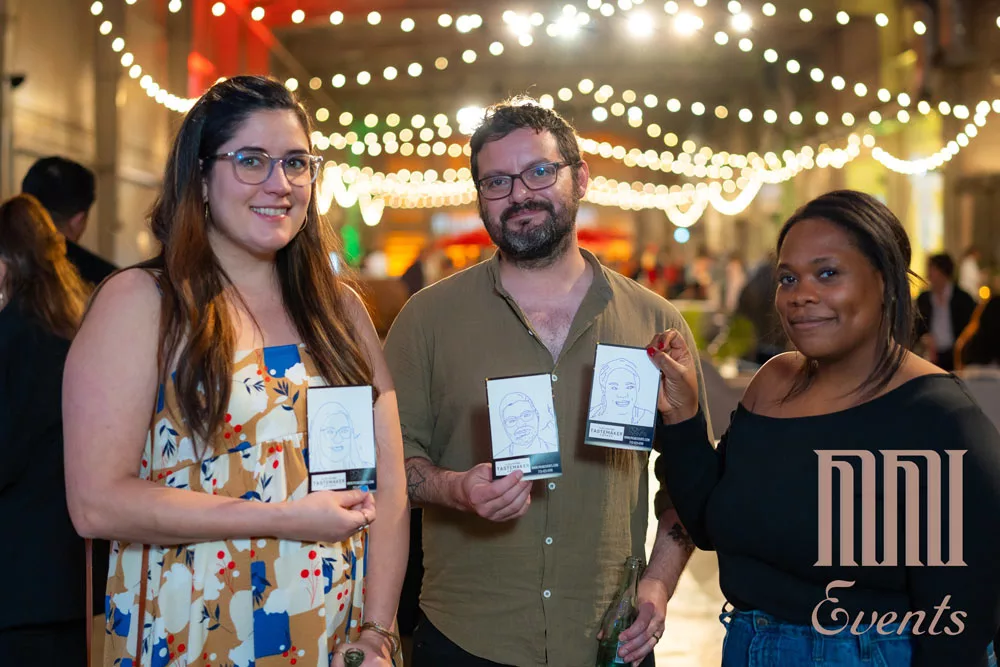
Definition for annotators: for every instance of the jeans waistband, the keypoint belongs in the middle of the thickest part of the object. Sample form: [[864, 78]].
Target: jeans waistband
[[867, 634]]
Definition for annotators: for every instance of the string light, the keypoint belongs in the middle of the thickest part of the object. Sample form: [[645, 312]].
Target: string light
[[683, 205], [630, 158], [522, 26], [942, 156], [695, 198], [135, 71]]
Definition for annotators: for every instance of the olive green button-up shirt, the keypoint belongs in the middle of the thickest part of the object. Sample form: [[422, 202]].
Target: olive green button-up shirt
[[530, 591]]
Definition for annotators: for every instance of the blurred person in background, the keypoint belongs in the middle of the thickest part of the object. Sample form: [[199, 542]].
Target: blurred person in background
[[756, 303], [67, 190], [944, 311], [980, 342], [42, 618], [735, 280]]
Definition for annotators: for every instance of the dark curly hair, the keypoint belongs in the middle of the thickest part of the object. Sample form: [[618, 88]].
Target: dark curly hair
[[518, 113]]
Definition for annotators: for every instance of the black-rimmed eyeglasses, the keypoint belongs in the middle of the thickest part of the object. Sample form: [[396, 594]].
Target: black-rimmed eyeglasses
[[538, 177], [255, 167]]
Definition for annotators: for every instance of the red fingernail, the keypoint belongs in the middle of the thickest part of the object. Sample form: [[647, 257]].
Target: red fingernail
[[650, 351], [660, 345]]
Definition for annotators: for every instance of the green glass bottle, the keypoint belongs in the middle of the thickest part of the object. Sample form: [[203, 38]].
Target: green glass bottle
[[620, 614], [353, 657]]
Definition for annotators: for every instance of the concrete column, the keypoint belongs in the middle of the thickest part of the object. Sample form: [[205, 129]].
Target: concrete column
[[108, 71], [179, 35], [7, 25]]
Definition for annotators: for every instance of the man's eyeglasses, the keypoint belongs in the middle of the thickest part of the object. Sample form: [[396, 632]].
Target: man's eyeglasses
[[538, 177], [255, 167]]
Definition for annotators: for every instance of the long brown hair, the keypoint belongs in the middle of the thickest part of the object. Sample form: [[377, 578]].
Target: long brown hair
[[46, 285], [196, 326]]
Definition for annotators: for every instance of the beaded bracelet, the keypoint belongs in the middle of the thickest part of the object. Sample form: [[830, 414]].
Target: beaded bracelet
[[385, 632]]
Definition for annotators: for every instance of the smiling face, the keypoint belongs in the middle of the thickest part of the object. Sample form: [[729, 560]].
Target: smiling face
[[829, 296], [258, 219], [520, 422], [530, 225], [621, 390]]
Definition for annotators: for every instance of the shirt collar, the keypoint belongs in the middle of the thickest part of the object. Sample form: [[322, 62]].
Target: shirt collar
[[946, 294], [600, 285]]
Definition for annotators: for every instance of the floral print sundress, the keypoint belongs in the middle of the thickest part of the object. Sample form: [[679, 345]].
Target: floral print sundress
[[259, 602]]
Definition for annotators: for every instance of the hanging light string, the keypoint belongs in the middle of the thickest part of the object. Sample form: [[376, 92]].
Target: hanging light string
[[567, 22], [602, 94], [683, 205], [181, 105], [153, 89]]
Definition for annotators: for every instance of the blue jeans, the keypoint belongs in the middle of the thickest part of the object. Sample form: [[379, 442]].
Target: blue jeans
[[757, 639]]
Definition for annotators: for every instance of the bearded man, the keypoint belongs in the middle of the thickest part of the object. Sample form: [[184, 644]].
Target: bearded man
[[515, 572]]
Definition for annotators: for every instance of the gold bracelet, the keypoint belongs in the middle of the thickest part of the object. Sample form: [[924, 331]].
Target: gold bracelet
[[385, 632]]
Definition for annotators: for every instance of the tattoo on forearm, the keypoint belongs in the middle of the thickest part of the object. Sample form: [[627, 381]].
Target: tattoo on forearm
[[681, 537], [414, 482]]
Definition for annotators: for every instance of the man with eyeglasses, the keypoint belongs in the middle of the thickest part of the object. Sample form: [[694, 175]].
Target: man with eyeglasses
[[520, 573]]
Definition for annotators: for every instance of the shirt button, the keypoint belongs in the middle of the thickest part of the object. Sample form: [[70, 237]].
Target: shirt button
[[547, 593], [552, 486], [548, 540], [555, 378]]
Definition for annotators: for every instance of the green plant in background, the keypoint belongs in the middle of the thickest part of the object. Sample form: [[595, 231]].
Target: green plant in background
[[735, 341], [738, 342], [351, 244], [696, 320]]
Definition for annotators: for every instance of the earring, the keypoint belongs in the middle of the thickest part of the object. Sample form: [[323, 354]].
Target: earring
[[208, 213]]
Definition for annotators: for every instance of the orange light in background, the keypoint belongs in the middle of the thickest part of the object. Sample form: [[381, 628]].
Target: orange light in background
[[401, 250]]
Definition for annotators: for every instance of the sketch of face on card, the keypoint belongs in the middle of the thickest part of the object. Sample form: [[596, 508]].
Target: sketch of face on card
[[522, 417], [340, 430], [625, 386]]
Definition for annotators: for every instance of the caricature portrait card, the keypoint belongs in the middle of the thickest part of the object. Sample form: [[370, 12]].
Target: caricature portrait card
[[622, 398], [523, 426], [341, 446]]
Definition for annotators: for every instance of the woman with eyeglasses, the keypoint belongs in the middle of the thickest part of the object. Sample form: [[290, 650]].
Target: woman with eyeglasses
[[185, 414]]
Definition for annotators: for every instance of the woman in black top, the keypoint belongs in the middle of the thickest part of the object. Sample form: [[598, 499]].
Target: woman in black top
[[41, 555], [808, 585]]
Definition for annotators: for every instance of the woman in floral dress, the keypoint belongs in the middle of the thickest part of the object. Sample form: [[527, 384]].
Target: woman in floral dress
[[185, 415]]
